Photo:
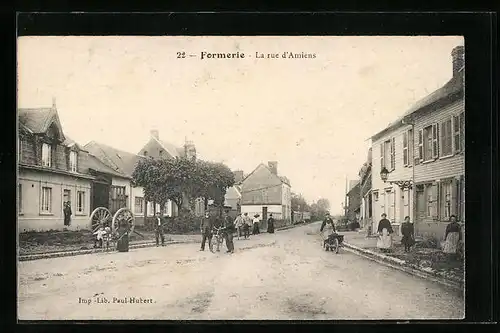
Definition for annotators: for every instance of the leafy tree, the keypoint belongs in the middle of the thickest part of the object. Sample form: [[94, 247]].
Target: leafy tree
[[176, 179], [323, 204], [299, 203]]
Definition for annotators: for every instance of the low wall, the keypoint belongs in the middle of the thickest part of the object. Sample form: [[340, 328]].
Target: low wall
[[44, 223]]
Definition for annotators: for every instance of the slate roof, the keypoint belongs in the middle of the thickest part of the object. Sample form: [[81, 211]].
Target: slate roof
[[118, 160], [38, 120], [283, 179], [88, 161], [454, 86]]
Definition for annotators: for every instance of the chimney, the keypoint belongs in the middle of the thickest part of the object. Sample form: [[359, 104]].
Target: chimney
[[155, 134], [273, 165], [238, 176], [458, 56]]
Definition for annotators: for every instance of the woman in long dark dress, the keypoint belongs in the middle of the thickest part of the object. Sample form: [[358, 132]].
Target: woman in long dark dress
[[123, 230], [452, 236], [408, 234], [385, 231], [270, 224]]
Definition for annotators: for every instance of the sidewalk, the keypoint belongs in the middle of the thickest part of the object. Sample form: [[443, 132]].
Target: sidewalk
[[423, 262]]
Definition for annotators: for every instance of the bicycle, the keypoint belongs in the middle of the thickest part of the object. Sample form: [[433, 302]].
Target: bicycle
[[217, 239]]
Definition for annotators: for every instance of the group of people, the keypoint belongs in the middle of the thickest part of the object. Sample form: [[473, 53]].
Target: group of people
[[452, 237], [241, 225]]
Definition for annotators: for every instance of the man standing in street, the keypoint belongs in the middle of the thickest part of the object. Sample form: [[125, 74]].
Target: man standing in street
[[229, 230], [247, 223], [238, 223], [206, 230], [159, 230]]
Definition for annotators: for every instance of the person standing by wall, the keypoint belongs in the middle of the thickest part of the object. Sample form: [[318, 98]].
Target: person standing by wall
[[247, 223], [206, 226], [270, 224], [238, 223], [256, 225], [67, 213], [385, 231], [229, 230], [159, 230], [407, 231], [452, 236]]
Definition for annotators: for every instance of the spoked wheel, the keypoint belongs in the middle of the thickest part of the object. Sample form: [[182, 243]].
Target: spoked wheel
[[335, 246], [100, 217], [121, 216]]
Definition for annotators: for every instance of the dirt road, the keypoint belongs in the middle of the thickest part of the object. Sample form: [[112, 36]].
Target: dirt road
[[284, 276]]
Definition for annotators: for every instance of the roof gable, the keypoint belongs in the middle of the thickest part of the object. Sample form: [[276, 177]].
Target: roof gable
[[39, 120], [260, 177], [120, 161]]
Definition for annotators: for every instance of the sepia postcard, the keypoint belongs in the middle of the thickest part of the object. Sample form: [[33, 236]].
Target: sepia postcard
[[241, 178]]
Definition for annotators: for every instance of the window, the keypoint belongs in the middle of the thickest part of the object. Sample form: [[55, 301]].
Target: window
[[145, 153], [446, 200], [387, 155], [428, 143], [139, 205], [20, 149], [393, 154], [405, 149], [446, 138], [20, 199], [431, 192], [375, 196], [161, 152], [46, 155], [73, 161], [458, 132], [46, 201], [390, 205], [80, 202]]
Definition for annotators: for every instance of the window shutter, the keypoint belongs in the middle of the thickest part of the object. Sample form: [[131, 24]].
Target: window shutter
[[382, 162], [455, 198], [462, 131], [393, 154], [410, 147], [435, 196], [405, 149], [420, 145], [435, 141]]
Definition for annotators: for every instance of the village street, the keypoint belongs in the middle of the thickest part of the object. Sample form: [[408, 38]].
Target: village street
[[282, 276]]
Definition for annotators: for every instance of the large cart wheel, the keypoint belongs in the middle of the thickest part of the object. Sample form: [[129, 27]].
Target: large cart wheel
[[100, 217], [335, 245], [124, 214]]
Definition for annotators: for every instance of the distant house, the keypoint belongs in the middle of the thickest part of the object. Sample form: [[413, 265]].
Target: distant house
[[353, 201], [53, 170], [264, 192], [365, 188], [157, 148]]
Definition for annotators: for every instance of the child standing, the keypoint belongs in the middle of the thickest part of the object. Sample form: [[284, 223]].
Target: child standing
[[99, 237]]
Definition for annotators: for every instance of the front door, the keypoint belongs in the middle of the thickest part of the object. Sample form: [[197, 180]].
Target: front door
[[264, 217], [421, 207], [100, 195]]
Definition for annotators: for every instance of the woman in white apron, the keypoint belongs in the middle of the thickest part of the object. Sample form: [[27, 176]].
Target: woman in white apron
[[327, 228], [384, 231]]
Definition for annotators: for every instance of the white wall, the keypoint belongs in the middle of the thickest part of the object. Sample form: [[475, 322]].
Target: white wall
[[257, 209]]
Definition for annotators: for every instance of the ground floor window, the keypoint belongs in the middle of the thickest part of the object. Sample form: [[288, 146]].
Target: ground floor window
[[80, 202], [431, 195], [46, 200], [139, 205], [20, 199]]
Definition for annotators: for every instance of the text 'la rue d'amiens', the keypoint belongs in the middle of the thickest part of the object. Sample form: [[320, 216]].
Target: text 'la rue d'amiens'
[[258, 55]]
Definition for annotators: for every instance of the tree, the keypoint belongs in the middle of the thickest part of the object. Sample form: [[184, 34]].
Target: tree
[[174, 179], [323, 204], [320, 208], [299, 203]]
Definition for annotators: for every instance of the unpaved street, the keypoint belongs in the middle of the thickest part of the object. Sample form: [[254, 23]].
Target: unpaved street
[[282, 276]]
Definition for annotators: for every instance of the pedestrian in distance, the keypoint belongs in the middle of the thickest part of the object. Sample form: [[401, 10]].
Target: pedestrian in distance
[[270, 224], [238, 223], [452, 236], [407, 231], [385, 232], [67, 213], [247, 223], [159, 230], [206, 230], [256, 224], [229, 231]]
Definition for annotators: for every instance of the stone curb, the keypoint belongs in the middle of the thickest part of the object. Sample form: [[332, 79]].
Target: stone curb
[[90, 251], [401, 265]]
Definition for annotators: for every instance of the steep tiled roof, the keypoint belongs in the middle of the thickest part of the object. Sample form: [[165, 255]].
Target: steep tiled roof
[[451, 88], [120, 161], [170, 148], [352, 184], [38, 120], [281, 178], [88, 162]]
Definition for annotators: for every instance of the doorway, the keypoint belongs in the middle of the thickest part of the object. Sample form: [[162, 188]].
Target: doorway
[[421, 207], [100, 195], [264, 218]]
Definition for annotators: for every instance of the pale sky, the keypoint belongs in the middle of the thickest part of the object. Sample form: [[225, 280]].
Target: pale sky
[[313, 116]]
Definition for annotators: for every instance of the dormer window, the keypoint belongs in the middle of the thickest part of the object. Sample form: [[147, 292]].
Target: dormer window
[[46, 155], [161, 152], [73, 161], [145, 153]]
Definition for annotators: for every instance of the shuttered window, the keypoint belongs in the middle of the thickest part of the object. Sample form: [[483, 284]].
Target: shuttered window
[[410, 147], [388, 155], [405, 149], [428, 143], [431, 192], [435, 141], [461, 120], [447, 138], [446, 200], [382, 162], [458, 132], [393, 154], [421, 145]]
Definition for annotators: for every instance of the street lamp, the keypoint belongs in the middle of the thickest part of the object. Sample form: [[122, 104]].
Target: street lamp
[[383, 174]]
